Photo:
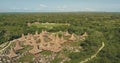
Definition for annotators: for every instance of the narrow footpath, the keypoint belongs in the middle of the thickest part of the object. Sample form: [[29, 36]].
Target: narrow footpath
[[94, 55]]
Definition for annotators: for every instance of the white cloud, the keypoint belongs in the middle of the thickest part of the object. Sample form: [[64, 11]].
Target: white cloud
[[43, 6], [15, 8], [25, 9], [88, 9], [62, 8]]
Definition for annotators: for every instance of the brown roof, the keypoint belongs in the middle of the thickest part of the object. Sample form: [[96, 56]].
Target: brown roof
[[17, 46], [85, 34], [66, 33], [12, 53], [72, 37], [35, 49]]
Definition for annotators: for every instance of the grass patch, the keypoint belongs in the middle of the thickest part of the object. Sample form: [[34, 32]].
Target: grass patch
[[46, 52], [76, 43], [49, 26], [56, 60], [1, 48], [26, 48], [26, 58]]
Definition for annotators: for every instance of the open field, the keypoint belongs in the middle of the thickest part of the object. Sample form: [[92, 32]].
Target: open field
[[49, 25]]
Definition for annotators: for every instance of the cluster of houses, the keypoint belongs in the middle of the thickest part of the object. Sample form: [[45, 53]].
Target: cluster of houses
[[42, 41]]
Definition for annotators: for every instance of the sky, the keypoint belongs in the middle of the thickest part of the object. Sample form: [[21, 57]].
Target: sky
[[59, 5]]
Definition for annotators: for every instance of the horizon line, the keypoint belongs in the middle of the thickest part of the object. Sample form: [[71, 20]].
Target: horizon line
[[61, 12]]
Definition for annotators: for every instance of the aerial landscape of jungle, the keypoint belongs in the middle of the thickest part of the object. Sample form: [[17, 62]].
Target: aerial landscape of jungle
[[59, 31], [61, 37]]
